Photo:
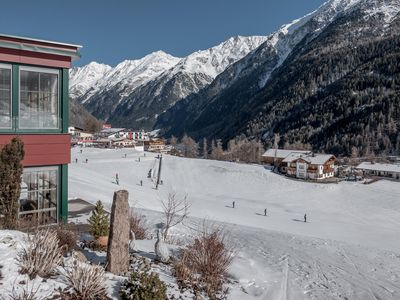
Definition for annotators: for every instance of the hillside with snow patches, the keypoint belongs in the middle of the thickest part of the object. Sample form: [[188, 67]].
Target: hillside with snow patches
[[348, 249]]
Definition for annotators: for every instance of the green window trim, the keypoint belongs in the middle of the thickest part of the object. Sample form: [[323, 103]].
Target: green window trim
[[63, 102]]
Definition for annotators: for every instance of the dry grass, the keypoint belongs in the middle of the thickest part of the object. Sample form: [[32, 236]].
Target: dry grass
[[41, 255], [67, 237], [203, 264], [86, 282], [138, 226]]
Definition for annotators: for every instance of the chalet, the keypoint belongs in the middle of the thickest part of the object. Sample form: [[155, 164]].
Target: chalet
[[124, 143], [380, 169], [80, 137], [301, 163], [276, 157], [34, 106], [155, 146], [311, 166]]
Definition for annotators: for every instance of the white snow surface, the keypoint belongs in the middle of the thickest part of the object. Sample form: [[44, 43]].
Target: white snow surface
[[349, 247]]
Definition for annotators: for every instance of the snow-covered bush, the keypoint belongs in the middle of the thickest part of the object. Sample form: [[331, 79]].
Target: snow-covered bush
[[85, 282], [203, 265], [41, 255], [138, 226], [143, 285]]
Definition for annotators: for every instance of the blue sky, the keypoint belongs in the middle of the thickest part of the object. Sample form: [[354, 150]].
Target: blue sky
[[114, 30]]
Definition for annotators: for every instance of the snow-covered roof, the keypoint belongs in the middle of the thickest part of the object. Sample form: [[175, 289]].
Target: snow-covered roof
[[282, 153], [292, 156], [314, 159], [379, 167], [111, 130], [318, 159]]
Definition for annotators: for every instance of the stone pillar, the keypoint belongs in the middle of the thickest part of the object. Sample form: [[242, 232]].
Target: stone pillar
[[118, 240]]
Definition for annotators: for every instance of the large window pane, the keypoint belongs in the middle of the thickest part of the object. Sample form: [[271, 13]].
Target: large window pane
[[38, 199], [39, 100], [5, 97]]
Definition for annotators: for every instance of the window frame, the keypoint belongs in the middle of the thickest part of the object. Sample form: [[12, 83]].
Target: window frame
[[45, 71], [9, 67], [58, 195]]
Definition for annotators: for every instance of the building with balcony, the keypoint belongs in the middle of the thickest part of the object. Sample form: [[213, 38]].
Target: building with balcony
[[301, 164], [34, 106]]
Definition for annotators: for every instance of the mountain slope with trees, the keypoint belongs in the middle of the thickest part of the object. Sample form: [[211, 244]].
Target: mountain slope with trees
[[337, 90]]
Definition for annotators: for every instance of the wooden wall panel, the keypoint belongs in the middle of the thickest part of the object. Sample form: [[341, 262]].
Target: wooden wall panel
[[43, 149]]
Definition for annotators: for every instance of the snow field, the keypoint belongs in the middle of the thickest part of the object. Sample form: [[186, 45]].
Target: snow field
[[349, 248]]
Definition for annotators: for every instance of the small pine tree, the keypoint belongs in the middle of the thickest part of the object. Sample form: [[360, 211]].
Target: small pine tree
[[99, 224], [143, 286], [11, 168]]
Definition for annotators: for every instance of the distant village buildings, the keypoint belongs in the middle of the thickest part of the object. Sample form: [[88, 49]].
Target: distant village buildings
[[301, 163], [110, 137]]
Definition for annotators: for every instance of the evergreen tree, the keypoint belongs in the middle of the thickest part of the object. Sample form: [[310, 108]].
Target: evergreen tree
[[11, 168], [99, 223]]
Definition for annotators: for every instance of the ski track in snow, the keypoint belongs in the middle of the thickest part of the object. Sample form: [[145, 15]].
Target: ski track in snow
[[350, 249]]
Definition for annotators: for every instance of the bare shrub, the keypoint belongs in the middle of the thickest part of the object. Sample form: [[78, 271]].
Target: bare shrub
[[67, 238], [203, 265], [42, 254], [138, 226], [175, 210], [86, 282]]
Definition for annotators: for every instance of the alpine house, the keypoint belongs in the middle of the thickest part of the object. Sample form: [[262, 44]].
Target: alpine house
[[34, 106]]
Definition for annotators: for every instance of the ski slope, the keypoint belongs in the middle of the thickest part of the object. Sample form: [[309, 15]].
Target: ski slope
[[349, 248]]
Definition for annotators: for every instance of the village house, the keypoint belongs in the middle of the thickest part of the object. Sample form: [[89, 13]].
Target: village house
[[380, 169], [155, 146], [301, 164], [34, 102], [80, 137], [276, 157]]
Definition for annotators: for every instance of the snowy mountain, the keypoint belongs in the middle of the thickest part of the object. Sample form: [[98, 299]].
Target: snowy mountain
[[84, 78], [135, 92], [263, 93]]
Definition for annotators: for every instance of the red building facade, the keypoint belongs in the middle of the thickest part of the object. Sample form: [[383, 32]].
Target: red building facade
[[34, 106]]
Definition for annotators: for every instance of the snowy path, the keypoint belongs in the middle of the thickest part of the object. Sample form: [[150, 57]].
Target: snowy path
[[350, 249]]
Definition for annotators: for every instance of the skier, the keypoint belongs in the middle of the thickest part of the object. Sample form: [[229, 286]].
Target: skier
[[125, 155], [117, 178], [265, 212], [141, 182], [76, 160], [87, 160], [81, 150], [139, 159], [305, 218], [233, 204]]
